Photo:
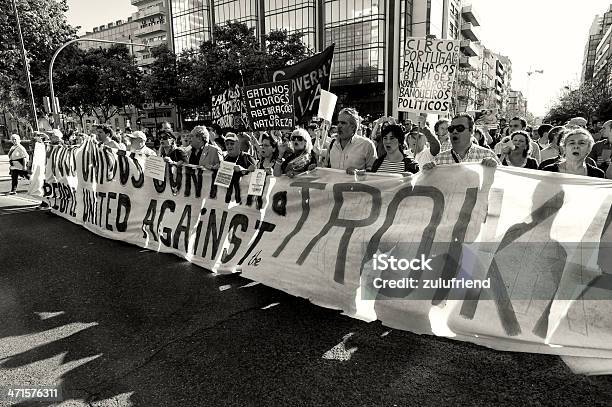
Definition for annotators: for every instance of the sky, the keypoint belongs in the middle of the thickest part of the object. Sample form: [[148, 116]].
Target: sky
[[547, 35]]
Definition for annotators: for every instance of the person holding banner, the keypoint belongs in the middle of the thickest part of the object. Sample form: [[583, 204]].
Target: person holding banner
[[168, 149], [302, 158], [577, 144], [519, 156], [138, 142], [393, 160], [417, 142], [104, 134], [269, 153], [201, 151], [244, 162], [349, 151], [463, 150]]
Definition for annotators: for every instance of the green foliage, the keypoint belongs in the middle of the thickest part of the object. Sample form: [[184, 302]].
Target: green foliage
[[45, 29], [588, 100], [236, 56], [99, 81]]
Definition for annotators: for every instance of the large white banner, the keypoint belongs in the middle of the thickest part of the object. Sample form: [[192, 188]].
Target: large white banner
[[507, 258]]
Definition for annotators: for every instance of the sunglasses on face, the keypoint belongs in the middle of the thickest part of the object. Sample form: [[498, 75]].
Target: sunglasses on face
[[460, 128], [297, 138]]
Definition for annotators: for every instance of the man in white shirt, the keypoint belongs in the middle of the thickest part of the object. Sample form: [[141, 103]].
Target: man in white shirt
[[104, 135], [349, 151], [138, 143]]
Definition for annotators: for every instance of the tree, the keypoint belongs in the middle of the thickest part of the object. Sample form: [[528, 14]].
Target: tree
[[588, 100], [45, 29], [236, 56]]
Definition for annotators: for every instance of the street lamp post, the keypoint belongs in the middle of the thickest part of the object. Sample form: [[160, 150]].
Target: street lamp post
[[52, 91], [26, 67]]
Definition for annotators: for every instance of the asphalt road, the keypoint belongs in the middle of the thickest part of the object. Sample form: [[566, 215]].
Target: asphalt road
[[116, 325]]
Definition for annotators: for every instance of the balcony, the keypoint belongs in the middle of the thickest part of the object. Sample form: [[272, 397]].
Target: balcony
[[469, 48], [145, 61], [137, 2], [468, 63], [141, 32], [151, 44], [499, 69], [468, 15], [469, 31], [148, 12]]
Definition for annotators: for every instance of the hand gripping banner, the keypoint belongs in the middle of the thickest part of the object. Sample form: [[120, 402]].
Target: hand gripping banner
[[507, 258]]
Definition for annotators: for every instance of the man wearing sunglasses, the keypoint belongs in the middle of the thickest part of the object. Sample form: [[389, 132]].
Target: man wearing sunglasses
[[349, 151], [463, 150]]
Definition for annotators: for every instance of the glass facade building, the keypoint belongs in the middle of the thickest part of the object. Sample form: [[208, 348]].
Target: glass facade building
[[190, 23], [369, 34]]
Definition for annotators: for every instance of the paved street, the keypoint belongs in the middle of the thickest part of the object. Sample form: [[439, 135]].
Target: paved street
[[118, 326]]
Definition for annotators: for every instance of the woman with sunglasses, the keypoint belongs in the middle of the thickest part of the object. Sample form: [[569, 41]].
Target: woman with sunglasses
[[519, 156], [302, 158], [577, 145], [168, 148], [393, 160]]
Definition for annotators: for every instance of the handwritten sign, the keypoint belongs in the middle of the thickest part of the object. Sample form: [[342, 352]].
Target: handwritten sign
[[428, 73], [155, 167], [270, 106], [225, 174], [227, 109], [257, 182]]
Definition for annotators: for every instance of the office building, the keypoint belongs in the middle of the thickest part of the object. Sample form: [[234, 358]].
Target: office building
[[599, 27]]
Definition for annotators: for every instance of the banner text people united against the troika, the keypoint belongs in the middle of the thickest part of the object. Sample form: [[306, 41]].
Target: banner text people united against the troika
[[541, 240]]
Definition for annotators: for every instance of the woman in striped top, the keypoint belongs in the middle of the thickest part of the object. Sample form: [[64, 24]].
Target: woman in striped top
[[393, 160]]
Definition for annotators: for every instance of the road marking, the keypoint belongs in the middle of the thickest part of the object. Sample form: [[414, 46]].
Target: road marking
[[340, 352], [274, 304], [253, 284], [225, 287]]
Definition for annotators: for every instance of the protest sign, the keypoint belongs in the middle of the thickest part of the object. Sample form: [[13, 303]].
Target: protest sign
[[257, 182], [537, 242], [225, 174], [308, 78], [155, 167], [227, 109], [427, 75], [327, 104], [270, 106]]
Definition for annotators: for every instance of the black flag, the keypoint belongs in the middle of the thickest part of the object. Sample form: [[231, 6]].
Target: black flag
[[308, 77]]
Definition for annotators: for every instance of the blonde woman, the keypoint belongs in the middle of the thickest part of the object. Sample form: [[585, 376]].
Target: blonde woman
[[577, 144]]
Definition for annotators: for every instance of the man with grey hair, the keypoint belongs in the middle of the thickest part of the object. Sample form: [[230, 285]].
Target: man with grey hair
[[602, 150], [201, 151], [138, 142], [349, 151]]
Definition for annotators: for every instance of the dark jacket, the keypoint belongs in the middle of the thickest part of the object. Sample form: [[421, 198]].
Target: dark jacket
[[592, 171]]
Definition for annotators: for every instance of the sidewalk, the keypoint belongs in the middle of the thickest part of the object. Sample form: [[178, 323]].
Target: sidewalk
[[13, 201]]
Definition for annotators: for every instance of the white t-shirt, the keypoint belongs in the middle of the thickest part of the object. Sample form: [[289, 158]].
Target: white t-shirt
[[424, 157]]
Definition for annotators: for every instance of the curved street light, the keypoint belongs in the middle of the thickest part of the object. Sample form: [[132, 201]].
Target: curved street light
[[71, 42]]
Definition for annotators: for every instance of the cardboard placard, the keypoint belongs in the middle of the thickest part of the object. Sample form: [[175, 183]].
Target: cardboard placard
[[269, 106]]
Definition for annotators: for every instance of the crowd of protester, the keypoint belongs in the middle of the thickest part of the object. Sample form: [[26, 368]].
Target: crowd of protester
[[383, 145]]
